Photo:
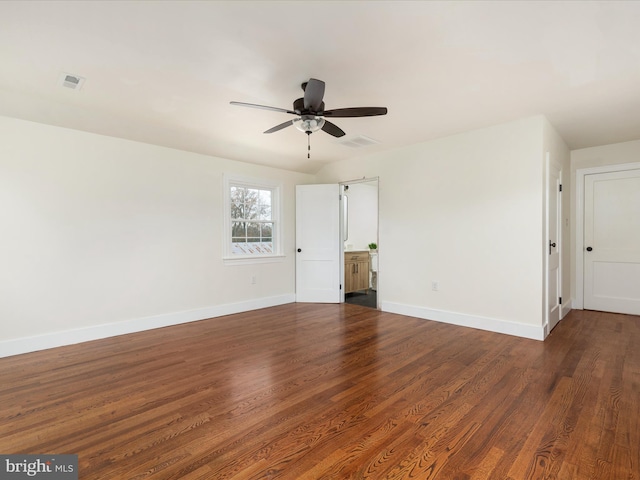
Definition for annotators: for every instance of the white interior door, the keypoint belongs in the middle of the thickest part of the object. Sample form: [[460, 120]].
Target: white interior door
[[612, 242], [554, 219], [318, 243]]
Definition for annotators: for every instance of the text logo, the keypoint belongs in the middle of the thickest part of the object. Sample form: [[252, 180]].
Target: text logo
[[45, 467]]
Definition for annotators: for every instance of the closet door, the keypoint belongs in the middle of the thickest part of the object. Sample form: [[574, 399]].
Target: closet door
[[612, 242]]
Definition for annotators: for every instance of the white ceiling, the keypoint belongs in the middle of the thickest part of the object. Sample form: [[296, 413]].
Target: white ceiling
[[164, 72]]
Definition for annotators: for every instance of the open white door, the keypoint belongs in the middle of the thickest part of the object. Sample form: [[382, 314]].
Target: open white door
[[612, 242], [554, 218], [318, 245]]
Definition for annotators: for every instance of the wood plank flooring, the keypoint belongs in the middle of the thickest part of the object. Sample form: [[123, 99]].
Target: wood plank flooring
[[307, 391]]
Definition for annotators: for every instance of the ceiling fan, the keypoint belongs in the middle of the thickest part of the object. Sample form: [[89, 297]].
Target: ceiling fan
[[311, 114]]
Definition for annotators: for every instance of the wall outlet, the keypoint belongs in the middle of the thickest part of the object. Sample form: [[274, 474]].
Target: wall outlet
[[254, 280], [435, 286]]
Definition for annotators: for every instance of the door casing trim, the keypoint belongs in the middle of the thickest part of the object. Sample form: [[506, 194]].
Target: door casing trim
[[578, 300]]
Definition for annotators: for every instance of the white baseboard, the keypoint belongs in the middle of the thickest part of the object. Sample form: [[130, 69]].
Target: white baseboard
[[69, 337], [533, 332]]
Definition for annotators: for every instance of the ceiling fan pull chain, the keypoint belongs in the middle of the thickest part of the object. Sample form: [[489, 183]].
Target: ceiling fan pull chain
[[308, 144]]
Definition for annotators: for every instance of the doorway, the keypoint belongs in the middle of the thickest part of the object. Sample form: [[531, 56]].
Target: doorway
[[608, 239], [360, 242]]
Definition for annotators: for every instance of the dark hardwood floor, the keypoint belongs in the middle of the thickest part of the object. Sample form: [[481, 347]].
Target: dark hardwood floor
[[306, 391]]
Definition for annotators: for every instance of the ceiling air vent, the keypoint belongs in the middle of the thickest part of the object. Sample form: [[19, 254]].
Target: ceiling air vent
[[68, 80], [357, 141]]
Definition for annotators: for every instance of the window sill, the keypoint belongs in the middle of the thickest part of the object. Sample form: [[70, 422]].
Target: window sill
[[249, 259]]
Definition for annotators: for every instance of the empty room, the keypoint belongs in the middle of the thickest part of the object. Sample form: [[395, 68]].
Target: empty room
[[320, 240]]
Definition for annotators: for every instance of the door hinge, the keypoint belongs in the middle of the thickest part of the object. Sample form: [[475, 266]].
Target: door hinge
[[560, 187], [560, 300], [340, 286]]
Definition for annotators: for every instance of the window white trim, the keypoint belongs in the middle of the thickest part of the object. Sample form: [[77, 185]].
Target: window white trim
[[230, 258]]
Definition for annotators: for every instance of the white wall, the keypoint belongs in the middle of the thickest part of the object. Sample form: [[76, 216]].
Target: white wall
[[101, 236], [466, 211], [363, 215], [614, 154]]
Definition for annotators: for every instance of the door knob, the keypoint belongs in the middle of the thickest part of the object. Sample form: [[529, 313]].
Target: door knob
[[299, 250], [589, 249]]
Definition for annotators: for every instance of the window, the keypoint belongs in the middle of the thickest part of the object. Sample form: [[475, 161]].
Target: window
[[252, 219]]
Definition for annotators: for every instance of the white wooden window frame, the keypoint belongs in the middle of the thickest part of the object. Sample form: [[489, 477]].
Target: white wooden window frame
[[229, 258]]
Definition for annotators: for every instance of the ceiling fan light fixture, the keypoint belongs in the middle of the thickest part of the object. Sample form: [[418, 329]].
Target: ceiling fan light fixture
[[309, 123]]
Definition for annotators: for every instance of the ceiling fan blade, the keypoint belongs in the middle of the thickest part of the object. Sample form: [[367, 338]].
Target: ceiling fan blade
[[313, 94], [263, 107], [355, 112], [280, 127], [332, 129]]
